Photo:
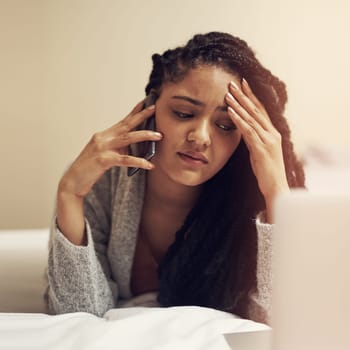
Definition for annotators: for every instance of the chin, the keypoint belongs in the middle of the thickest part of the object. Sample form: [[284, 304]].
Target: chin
[[188, 178]]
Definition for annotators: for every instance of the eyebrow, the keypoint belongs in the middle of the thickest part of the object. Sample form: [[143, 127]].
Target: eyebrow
[[195, 102]]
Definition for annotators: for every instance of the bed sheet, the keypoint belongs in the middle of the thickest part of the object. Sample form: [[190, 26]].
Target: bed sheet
[[184, 327]]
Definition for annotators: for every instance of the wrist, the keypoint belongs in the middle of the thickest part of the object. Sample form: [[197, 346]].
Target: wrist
[[270, 201], [275, 191], [63, 195], [70, 217], [65, 187]]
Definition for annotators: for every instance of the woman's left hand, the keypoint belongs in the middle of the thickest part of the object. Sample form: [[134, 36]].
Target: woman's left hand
[[263, 141]]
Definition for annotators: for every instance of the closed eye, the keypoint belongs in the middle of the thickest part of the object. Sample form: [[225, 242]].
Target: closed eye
[[183, 115], [226, 127]]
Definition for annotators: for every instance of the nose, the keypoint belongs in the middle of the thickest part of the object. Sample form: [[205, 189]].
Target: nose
[[199, 134]]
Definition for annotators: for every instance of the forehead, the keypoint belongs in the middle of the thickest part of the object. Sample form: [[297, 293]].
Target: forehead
[[204, 82]]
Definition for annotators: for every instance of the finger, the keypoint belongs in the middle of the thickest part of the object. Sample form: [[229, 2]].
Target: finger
[[243, 114], [129, 123], [135, 162], [109, 159], [132, 121], [137, 108], [256, 110], [134, 137], [249, 133], [248, 91], [249, 128]]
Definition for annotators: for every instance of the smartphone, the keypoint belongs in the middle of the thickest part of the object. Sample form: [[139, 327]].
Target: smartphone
[[146, 149]]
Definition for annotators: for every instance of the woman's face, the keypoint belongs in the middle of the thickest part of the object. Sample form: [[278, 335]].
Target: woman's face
[[198, 135]]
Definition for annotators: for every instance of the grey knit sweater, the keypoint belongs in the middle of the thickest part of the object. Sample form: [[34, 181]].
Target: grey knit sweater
[[96, 277]]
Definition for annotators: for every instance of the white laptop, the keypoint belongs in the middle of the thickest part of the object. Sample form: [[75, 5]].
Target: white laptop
[[311, 297], [253, 340]]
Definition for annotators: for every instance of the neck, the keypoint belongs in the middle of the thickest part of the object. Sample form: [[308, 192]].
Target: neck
[[166, 193]]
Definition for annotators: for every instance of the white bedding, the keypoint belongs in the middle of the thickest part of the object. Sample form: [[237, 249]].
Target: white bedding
[[177, 328], [24, 323], [129, 328]]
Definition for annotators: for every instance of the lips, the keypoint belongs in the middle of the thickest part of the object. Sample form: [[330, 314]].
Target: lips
[[195, 156]]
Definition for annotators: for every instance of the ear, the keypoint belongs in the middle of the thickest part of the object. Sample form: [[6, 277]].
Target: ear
[[153, 91], [150, 99]]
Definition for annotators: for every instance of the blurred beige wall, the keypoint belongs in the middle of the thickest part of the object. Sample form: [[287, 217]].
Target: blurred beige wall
[[69, 68]]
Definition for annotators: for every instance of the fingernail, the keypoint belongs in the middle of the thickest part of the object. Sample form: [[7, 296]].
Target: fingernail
[[151, 107], [245, 82], [232, 111], [158, 134], [150, 166], [228, 95], [233, 84]]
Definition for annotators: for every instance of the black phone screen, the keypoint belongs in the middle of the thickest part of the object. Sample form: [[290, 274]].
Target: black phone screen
[[146, 149]]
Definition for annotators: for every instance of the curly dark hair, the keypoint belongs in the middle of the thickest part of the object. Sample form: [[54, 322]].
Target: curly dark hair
[[213, 260]]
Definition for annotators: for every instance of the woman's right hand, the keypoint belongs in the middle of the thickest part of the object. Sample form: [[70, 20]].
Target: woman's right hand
[[106, 149], [109, 148]]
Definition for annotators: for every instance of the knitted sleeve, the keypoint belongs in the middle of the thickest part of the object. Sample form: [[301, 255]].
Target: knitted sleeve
[[260, 305], [79, 277]]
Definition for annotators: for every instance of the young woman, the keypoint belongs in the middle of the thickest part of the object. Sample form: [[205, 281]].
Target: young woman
[[194, 227]]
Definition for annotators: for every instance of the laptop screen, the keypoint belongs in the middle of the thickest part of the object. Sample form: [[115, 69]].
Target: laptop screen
[[311, 286]]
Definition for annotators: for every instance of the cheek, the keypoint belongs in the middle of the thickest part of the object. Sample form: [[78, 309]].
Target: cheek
[[164, 124], [227, 148], [171, 136], [173, 132]]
